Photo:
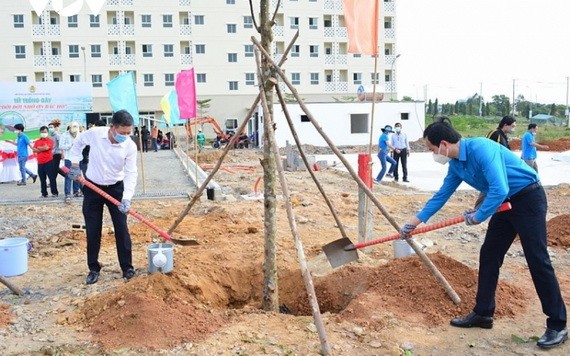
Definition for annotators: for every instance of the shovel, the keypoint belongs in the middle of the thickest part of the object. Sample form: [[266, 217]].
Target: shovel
[[133, 213], [343, 251]]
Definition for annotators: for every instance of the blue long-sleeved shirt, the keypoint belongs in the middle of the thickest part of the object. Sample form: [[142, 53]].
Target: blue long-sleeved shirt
[[490, 168]]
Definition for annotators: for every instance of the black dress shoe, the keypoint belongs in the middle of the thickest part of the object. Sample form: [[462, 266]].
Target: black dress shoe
[[552, 338], [128, 274], [473, 320], [34, 178], [92, 277]]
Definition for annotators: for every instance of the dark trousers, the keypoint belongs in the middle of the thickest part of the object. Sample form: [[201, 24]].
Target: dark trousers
[[403, 157], [46, 170], [145, 144], [527, 219], [56, 161], [93, 213]]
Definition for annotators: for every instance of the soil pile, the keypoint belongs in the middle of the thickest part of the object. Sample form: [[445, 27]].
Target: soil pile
[[559, 231], [153, 312], [406, 289], [5, 315]]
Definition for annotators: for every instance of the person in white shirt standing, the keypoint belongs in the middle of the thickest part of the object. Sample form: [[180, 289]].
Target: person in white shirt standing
[[402, 150], [65, 143], [113, 168]]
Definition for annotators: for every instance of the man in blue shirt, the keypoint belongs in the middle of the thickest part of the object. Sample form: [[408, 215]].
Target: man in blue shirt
[[529, 146], [23, 143], [496, 171], [384, 147]]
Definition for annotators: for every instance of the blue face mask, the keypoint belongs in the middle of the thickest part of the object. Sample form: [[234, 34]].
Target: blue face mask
[[120, 138]]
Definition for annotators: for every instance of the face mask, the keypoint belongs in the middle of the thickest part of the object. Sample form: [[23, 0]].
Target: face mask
[[439, 158], [51, 130], [73, 130], [397, 129], [120, 138], [44, 134], [17, 132], [533, 133], [512, 130]]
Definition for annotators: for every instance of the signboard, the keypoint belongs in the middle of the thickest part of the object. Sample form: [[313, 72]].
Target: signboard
[[37, 104]]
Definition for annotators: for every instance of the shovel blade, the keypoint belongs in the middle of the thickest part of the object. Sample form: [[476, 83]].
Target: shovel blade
[[338, 255], [184, 242]]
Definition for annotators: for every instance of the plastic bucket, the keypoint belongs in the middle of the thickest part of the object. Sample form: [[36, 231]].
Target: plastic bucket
[[13, 256], [168, 251], [402, 249]]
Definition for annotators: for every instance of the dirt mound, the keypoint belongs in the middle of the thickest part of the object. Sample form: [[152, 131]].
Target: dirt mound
[[5, 315], [406, 289], [560, 145], [559, 231], [153, 312]]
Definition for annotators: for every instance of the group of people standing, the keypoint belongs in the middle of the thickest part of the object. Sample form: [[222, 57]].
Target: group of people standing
[[398, 145]]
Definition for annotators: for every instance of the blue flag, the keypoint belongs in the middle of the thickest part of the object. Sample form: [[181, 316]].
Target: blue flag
[[123, 95], [174, 110]]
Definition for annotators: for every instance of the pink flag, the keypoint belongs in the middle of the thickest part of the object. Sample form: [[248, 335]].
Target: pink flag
[[361, 17], [186, 91]]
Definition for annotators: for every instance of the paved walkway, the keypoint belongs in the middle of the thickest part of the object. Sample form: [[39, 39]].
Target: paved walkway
[[164, 175]]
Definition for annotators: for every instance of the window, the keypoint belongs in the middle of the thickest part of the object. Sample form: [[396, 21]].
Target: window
[[358, 123], [55, 51], [186, 20], [388, 23], [94, 21], [56, 79], [198, 19], [294, 22], [147, 50], [128, 50], [53, 21], [231, 125], [328, 78], [387, 78], [314, 78], [247, 22], [313, 23], [305, 118], [166, 20], [233, 85], [249, 78], [327, 23], [356, 55], [232, 57], [72, 21], [404, 116], [231, 28], [372, 78], [97, 80], [74, 78], [313, 50], [296, 78], [148, 80], [231, 2], [357, 78], [168, 50], [201, 77], [20, 51], [21, 78], [146, 21], [73, 51], [200, 48], [328, 51], [295, 51], [169, 79], [95, 51], [18, 21], [187, 50], [248, 49]]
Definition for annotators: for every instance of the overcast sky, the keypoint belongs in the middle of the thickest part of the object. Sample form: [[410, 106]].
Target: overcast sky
[[453, 46]]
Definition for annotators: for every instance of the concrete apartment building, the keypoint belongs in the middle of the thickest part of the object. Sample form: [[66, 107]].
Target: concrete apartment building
[[158, 38]]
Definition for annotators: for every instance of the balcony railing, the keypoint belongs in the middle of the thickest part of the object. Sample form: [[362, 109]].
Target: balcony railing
[[186, 30], [38, 30], [186, 59], [115, 59], [40, 61]]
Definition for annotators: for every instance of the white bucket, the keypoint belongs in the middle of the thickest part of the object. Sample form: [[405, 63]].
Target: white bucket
[[402, 249], [13, 256], [168, 251]]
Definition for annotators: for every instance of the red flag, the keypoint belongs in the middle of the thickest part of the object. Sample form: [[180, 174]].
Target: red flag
[[186, 91], [361, 18]]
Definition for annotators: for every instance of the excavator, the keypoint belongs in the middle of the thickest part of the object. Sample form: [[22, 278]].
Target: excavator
[[222, 138]]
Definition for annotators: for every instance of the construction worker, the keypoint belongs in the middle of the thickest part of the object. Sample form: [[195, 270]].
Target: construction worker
[[201, 138]]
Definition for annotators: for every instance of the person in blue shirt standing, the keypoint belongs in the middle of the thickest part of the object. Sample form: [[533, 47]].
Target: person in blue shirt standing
[[384, 147], [496, 171], [529, 146], [23, 143]]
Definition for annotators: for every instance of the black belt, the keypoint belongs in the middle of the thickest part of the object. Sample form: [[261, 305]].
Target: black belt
[[526, 189], [105, 186]]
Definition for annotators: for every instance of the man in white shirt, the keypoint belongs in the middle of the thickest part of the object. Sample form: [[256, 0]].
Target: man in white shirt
[[401, 152], [113, 168]]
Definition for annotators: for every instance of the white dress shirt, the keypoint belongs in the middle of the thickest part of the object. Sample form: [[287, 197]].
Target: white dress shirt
[[108, 162]]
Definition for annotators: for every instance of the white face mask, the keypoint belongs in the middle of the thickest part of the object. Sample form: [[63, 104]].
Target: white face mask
[[44, 134], [439, 158]]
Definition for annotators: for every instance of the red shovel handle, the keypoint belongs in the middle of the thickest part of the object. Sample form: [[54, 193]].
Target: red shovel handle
[[133, 213], [420, 230]]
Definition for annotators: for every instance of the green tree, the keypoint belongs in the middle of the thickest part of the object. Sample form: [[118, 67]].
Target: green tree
[[429, 107], [502, 104], [407, 98], [435, 108]]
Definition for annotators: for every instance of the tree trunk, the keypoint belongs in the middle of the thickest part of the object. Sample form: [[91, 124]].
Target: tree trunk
[[270, 285]]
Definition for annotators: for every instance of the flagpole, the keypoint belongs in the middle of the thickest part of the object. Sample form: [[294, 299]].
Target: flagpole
[[196, 150]]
